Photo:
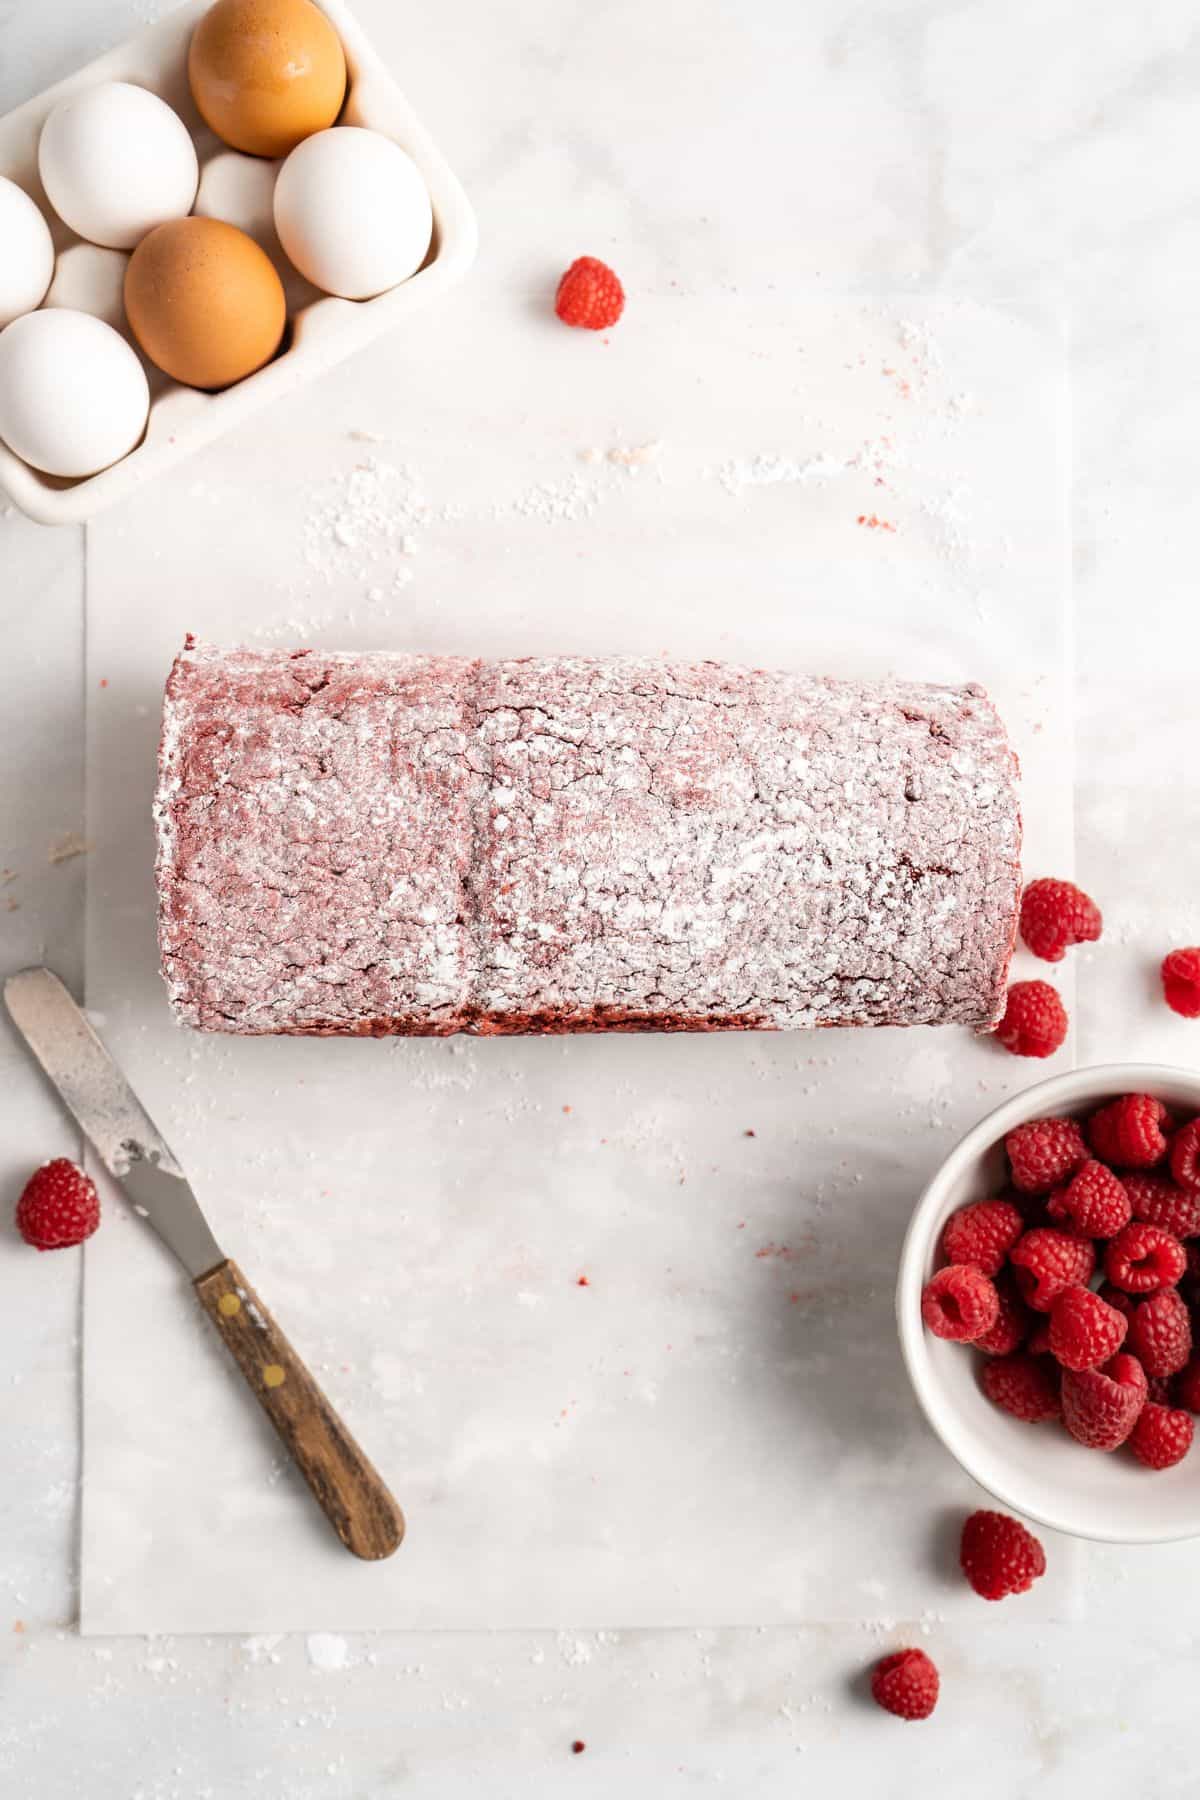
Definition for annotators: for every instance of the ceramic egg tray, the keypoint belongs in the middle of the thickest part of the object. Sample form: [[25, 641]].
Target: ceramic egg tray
[[322, 330]]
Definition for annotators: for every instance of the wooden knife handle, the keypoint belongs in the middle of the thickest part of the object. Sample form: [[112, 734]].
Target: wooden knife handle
[[346, 1486]]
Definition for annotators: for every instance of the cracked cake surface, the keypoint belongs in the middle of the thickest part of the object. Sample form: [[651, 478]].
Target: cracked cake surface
[[377, 843]]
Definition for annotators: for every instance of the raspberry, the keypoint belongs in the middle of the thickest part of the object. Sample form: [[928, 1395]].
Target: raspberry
[[590, 295], [1159, 1202], [999, 1556], [959, 1303], [1012, 1320], [1044, 1153], [1048, 1261], [1185, 1157], [1142, 1258], [1035, 1020], [59, 1207], [1181, 982], [1094, 1202], [1055, 915], [982, 1234], [1022, 1385], [1187, 1385], [905, 1683], [1100, 1406], [1162, 1436], [1127, 1132], [1158, 1387], [1084, 1330], [1160, 1333]]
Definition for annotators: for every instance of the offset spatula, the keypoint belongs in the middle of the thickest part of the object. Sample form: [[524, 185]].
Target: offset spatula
[[348, 1489]]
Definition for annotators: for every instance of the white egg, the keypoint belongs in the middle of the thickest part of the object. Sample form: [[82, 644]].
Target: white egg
[[115, 161], [352, 212], [26, 253], [73, 396], [90, 279], [241, 191]]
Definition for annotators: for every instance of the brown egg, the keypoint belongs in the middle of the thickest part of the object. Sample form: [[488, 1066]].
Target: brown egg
[[266, 73], [204, 302]]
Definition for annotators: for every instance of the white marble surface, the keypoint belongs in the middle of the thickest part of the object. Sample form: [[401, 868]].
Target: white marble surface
[[1023, 151]]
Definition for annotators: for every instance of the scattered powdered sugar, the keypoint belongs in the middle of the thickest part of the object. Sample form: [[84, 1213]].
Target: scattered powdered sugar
[[874, 457], [768, 470], [363, 520], [327, 1652], [568, 499]]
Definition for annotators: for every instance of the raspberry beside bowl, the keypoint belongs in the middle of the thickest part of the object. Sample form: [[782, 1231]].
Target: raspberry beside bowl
[[1037, 1470]]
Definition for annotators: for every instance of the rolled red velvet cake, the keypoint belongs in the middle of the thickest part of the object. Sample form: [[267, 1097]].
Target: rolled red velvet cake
[[364, 844]]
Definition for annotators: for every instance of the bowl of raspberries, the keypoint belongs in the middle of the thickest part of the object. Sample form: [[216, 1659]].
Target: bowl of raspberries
[[1049, 1303]]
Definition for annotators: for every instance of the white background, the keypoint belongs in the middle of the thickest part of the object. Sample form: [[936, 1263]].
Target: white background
[[1024, 151]]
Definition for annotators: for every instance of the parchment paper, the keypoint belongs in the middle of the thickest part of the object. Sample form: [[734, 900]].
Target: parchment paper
[[614, 1315]]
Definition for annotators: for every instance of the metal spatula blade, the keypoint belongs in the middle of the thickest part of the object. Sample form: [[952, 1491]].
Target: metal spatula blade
[[111, 1116], [345, 1484]]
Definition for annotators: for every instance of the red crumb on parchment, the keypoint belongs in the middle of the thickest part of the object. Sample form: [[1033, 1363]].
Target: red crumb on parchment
[[578, 1747], [873, 522], [583, 1282]]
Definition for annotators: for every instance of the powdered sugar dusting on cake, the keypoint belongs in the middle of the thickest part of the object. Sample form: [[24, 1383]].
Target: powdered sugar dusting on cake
[[382, 842]]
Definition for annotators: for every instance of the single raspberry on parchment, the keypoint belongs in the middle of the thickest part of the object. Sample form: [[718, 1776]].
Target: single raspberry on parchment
[[590, 295], [1181, 982], [59, 1207], [1035, 1020], [905, 1683], [999, 1556], [1055, 915]]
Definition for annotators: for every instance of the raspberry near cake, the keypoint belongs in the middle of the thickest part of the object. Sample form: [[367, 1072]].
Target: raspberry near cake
[[372, 843]]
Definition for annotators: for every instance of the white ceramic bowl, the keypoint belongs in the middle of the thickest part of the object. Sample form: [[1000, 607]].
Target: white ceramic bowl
[[1037, 1470]]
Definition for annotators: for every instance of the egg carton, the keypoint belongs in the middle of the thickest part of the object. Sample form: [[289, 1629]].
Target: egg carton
[[322, 329]]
